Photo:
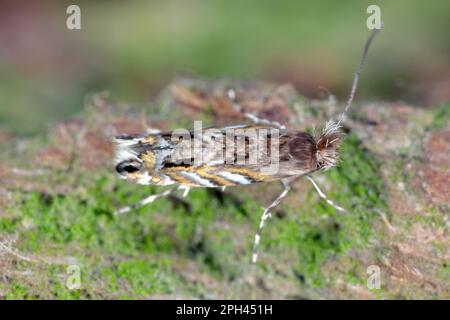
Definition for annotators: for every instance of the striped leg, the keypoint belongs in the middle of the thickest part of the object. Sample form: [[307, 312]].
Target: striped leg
[[323, 195], [266, 215], [237, 106], [186, 191], [145, 201]]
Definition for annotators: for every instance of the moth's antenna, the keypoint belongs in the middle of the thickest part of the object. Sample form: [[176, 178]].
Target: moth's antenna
[[357, 75]]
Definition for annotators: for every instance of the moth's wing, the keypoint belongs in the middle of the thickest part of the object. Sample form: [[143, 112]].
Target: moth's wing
[[217, 146], [240, 155]]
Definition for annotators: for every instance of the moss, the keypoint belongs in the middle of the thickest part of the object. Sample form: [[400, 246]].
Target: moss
[[17, 291], [317, 231], [132, 255], [441, 117]]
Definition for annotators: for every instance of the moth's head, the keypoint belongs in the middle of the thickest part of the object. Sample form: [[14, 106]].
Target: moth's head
[[328, 144], [127, 162]]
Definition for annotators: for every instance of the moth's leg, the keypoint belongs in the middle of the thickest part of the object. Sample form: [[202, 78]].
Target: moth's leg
[[266, 215], [237, 106], [185, 191], [323, 195], [145, 201]]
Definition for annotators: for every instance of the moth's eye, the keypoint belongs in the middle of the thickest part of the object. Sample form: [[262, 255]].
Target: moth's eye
[[128, 167]]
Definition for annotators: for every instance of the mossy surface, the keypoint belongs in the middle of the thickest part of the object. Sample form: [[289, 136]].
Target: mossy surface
[[200, 246], [134, 255]]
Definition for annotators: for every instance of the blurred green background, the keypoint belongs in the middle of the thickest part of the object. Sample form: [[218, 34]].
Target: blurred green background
[[200, 248], [134, 48]]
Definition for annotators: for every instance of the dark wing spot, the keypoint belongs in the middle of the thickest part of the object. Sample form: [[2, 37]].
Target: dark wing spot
[[128, 166], [126, 137]]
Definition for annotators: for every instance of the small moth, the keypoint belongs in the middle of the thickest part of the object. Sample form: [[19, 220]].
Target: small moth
[[165, 159], [238, 155]]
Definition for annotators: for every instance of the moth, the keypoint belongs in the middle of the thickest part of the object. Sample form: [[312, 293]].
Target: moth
[[264, 151]]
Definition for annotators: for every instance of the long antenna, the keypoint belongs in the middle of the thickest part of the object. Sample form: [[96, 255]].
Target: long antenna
[[358, 75]]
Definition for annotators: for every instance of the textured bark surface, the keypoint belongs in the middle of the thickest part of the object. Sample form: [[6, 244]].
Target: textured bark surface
[[57, 196]]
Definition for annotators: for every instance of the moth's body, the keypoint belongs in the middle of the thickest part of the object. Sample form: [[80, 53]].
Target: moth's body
[[160, 159]]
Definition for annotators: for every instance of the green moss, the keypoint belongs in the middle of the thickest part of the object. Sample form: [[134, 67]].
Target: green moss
[[132, 255], [17, 291], [441, 117], [317, 231]]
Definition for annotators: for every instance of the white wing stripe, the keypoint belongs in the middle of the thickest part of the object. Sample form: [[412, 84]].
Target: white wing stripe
[[197, 179], [234, 177]]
